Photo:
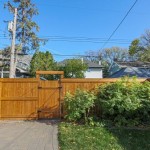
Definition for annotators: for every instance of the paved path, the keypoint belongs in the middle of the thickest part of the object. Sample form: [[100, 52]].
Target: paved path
[[28, 135]]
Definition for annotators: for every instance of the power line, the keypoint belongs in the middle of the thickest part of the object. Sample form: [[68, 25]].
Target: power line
[[84, 39], [119, 24], [77, 41], [81, 38]]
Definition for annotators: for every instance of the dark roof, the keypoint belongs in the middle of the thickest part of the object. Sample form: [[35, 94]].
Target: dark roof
[[133, 64], [92, 64], [132, 71], [89, 63]]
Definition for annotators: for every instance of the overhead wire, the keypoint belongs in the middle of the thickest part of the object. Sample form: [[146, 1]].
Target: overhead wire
[[92, 40], [82, 39], [78, 40], [118, 26]]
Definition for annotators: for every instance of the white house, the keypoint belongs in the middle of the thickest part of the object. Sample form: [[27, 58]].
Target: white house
[[94, 69]]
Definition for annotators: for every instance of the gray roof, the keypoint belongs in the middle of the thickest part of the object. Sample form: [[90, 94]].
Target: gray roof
[[89, 63], [124, 64], [25, 59], [23, 62], [132, 71]]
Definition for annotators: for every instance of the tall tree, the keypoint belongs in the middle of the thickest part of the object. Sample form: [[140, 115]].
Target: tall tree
[[42, 61], [115, 53], [134, 49], [145, 42], [73, 68], [26, 28], [145, 39], [108, 54], [140, 48]]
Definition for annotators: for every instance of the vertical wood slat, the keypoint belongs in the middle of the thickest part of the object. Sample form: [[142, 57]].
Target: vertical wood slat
[[48, 99], [18, 98], [87, 84]]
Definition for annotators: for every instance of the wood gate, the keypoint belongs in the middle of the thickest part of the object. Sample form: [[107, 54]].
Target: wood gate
[[50, 95]]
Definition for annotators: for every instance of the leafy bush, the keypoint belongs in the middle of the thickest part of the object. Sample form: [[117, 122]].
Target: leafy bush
[[124, 102], [78, 105], [144, 95]]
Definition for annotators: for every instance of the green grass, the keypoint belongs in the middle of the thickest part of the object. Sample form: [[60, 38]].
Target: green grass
[[79, 137]]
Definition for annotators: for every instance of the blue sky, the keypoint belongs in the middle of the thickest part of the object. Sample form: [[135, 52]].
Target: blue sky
[[77, 26]]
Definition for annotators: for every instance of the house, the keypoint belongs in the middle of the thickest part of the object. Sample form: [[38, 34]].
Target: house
[[94, 69], [131, 68], [22, 66]]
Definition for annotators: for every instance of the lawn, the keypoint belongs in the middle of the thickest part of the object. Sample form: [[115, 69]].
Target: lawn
[[80, 137]]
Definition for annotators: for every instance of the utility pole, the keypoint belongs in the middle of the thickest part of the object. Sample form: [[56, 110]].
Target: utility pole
[[12, 68]]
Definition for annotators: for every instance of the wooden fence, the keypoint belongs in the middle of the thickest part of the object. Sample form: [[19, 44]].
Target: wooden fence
[[33, 98], [18, 98]]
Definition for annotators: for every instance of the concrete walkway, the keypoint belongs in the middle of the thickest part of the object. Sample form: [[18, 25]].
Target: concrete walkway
[[28, 135]]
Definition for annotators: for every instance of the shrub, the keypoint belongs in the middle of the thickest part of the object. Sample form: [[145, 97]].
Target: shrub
[[78, 105], [124, 102], [144, 95]]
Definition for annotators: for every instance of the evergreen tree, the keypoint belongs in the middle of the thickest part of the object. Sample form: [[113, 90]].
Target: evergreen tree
[[26, 31], [42, 61]]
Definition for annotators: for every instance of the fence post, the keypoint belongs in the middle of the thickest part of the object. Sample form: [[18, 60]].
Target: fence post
[[0, 99], [60, 95]]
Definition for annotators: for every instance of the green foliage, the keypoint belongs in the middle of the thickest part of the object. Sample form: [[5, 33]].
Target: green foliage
[[124, 102], [140, 48], [74, 68], [134, 47], [144, 95], [42, 61], [145, 56], [78, 105]]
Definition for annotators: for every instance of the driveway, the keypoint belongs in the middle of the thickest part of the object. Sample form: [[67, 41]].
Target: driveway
[[28, 135]]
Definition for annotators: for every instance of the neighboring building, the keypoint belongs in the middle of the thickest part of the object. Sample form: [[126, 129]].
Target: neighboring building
[[94, 69], [132, 68], [22, 68]]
